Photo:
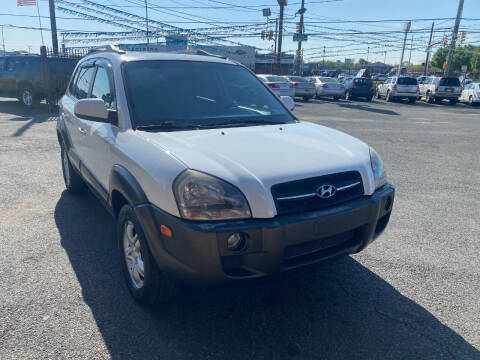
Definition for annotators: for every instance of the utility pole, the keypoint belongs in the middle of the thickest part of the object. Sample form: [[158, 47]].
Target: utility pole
[[406, 29], [299, 49], [368, 54], [146, 17], [385, 58], [454, 38], [3, 42], [427, 59], [410, 56], [276, 35], [53, 26], [282, 4], [323, 57]]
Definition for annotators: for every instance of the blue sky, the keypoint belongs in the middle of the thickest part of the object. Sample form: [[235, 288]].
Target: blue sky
[[338, 45]]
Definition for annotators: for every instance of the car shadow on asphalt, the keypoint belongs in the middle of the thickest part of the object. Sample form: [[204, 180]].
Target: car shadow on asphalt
[[339, 310], [356, 106], [30, 117]]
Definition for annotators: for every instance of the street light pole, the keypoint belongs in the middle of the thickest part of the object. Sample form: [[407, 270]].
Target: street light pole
[[407, 29], [3, 42], [454, 37]]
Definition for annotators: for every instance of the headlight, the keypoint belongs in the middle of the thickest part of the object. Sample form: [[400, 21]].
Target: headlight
[[377, 166], [204, 197]]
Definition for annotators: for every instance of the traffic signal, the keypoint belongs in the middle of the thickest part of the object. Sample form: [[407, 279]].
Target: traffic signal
[[263, 35], [463, 37], [270, 35], [299, 28]]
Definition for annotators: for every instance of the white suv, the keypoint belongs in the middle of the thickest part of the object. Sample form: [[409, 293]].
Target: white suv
[[210, 177], [439, 88]]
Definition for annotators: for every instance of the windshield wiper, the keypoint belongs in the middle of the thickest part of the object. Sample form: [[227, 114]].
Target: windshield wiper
[[166, 125], [242, 122]]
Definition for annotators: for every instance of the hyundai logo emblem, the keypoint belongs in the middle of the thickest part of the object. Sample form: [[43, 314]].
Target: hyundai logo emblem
[[326, 191]]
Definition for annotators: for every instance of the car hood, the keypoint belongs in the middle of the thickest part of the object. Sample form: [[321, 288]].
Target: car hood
[[256, 157]]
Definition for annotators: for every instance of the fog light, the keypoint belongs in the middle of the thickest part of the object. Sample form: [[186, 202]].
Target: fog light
[[236, 241]]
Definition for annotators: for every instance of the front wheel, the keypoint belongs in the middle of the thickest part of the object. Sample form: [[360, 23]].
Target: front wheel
[[388, 98], [306, 98], [335, 98], [147, 285], [412, 100], [428, 98], [470, 100], [369, 98], [27, 97]]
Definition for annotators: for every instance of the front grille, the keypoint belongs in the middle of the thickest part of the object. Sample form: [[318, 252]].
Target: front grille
[[301, 195]]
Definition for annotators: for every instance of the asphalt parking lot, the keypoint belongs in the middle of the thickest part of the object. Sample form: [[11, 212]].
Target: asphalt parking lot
[[413, 294]]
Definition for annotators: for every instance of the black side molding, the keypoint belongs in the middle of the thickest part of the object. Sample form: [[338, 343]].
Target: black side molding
[[124, 182]]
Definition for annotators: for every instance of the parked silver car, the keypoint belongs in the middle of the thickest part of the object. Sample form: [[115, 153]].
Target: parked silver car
[[471, 94], [402, 87], [327, 86], [278, 84], [439, 88], [303, 88]]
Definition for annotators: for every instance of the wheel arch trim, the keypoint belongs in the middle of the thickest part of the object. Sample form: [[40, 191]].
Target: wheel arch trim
[[122, 181]]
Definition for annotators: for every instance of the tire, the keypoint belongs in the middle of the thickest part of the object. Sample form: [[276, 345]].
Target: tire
[[377, 95], [412, 100], [428, 98], [73, 181], [388, 98], [453, 101], [369, 98], [147, 285], [470, 100], [27, 97], [348, 96], [335, 98], [306, 98]]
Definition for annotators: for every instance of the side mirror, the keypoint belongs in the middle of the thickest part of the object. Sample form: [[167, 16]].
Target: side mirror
[[94, 110]]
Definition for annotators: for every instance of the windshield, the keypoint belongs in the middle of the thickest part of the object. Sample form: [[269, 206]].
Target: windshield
[[276, 79], [449, 82], [407, 81], [327, 80], [298, 79], [188, 94]]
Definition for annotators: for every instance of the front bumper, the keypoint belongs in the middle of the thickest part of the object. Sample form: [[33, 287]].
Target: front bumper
[[196, 252]]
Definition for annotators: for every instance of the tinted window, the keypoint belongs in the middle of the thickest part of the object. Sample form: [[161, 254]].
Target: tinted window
[[187, 93], [363, 82], [298, 79], [101, 87], [83, 82], [453, 81], [407, 81], [276, 79]]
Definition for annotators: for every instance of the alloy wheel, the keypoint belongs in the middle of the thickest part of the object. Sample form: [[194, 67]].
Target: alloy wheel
[[27, 97], [133, 255]]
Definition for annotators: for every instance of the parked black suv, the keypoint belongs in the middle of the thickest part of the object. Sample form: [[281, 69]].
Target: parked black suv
[[21, 77]]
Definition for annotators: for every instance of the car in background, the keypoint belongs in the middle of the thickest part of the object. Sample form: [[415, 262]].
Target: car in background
[[278, 84], [327, 86], [436, 89], [421, 79], [303, 88], [471, 94], [402, 87], [359, 88], [379, 77]]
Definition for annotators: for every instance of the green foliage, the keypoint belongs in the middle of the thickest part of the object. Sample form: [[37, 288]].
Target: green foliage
[[464, 55]]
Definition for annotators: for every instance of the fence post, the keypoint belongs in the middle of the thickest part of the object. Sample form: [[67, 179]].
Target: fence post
[[45, 74]]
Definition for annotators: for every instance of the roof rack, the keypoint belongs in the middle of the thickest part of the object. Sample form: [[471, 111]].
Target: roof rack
[[107, 48]]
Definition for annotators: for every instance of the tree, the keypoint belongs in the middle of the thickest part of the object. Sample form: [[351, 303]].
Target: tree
[[464, 55]]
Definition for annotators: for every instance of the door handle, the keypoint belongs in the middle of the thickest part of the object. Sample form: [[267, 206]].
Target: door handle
[[82, 131]]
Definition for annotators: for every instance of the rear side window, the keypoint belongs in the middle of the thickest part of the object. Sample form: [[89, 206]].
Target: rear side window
[[407, 81], [363, 81], [453, 81], [101, 87], [83, 82]]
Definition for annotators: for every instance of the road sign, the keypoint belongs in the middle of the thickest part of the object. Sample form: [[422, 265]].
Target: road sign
[[444, 65], [427, 49], [300, 37], [266, 12]]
